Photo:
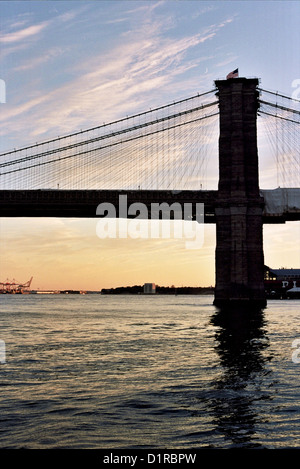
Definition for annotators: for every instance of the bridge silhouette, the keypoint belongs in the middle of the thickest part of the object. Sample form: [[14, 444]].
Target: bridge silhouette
[[161, 156]]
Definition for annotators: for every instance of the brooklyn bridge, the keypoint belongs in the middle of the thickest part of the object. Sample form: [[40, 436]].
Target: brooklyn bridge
[[160, 156]]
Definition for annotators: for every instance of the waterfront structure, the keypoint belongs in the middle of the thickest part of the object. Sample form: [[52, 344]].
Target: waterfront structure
[[149, 289], [15, 288], [282, 283]]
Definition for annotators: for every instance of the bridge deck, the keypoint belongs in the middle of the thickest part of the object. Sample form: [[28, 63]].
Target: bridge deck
[[84, 203], [281, 205]]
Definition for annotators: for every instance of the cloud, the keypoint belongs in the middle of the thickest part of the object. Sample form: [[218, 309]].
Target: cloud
[[31, 31], [70, 15], [204, 10], [17, 111], [147, 8], [32, 63], [133, 75], [230, 58], [23, 34], [117, 20], [118, 81]]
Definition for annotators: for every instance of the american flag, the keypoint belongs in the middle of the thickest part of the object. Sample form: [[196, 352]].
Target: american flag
[[233, 74]]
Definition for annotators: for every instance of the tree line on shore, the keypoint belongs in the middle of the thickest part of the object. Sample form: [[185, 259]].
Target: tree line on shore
[[160, 290]]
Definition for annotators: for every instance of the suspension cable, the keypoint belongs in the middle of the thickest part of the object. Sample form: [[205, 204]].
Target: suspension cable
[[278, 94], [85, 152], [110, 123]]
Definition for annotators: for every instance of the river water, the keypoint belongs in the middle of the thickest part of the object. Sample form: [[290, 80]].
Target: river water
[[134, 372]]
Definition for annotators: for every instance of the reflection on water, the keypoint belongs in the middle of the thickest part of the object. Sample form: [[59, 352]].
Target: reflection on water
[[241, 344], [135, 372]]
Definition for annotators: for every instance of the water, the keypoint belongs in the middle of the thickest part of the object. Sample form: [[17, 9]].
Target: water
[[86, 372]]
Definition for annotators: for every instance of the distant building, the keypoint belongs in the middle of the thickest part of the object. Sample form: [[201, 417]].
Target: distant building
[[282, 283], [149, 288], [285, 274]]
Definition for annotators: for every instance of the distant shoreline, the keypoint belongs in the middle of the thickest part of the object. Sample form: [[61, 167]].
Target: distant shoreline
[[139, 290], [133, 290]]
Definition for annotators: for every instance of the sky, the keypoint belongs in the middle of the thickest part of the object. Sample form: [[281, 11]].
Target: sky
[[71, 65]]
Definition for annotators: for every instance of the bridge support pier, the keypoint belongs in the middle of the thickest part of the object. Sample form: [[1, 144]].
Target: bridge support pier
[[239, 207]]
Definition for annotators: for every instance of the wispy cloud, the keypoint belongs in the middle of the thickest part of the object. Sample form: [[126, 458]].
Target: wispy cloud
[[33, 63], [126, 79], [228, 60], [204, 10], [23, 33], [117, 20], [23, 27], [17, 111]]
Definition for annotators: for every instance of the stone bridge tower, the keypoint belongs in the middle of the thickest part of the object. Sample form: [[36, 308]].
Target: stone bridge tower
[[239, 249]]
